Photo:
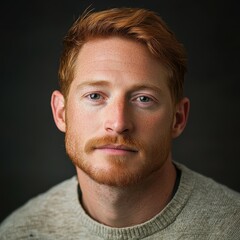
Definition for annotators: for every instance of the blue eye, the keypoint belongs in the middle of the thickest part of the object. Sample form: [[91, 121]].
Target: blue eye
[[144, 99], [94, 96]]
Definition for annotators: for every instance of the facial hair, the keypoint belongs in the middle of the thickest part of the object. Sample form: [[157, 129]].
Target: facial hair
[[118, 173]]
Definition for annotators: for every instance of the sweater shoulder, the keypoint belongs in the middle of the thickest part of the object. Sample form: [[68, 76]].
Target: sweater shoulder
[[213, 207], [37, 212], [209, 189], [215, 192]]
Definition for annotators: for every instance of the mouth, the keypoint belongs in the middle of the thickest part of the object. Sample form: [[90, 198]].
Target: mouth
[[117, 149]]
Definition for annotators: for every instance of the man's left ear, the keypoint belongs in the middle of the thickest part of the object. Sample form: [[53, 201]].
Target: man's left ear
[[180, 117]]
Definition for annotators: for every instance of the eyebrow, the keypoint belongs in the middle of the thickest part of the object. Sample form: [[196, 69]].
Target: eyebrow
[[152, 87], [103, 83], [93, 84]]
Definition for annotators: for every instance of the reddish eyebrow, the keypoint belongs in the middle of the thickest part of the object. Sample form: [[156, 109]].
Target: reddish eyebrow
[[93, 83], [103, 83], [147, 86]]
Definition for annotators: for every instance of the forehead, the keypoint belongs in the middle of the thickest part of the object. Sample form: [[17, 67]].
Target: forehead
[[117, 58]]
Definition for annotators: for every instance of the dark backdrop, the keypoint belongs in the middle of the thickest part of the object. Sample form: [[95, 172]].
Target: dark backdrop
[[32, 149]]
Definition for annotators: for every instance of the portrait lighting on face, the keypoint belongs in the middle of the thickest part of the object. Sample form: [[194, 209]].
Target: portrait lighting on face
[[120, 105]]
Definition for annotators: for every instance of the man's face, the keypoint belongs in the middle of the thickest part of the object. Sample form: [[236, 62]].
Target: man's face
[[119, 112]]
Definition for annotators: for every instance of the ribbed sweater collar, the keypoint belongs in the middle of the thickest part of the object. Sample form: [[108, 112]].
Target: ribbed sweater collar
[[162, 220]]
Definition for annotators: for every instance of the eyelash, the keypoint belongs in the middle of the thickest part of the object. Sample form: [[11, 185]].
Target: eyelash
[[95, 98], [146, 97], [89, 96]]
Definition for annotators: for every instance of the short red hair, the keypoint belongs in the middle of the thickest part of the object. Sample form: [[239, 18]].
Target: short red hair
[[141, 25]]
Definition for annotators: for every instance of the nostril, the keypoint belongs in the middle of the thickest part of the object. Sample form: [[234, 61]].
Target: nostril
[[118, 116], [117, 127]]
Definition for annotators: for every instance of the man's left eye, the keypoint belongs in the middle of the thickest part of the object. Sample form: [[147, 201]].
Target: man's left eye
[[144, 99]]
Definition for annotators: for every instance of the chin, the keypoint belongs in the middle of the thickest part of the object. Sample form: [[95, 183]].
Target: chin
[[118, 174]]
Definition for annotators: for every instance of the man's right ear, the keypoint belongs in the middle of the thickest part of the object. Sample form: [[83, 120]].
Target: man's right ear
[[58, 110]]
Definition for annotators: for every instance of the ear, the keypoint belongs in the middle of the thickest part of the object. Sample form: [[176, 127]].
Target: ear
[[180, 117], [58, 110]]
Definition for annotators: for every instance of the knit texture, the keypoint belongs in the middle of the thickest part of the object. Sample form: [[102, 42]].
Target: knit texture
[[200, 209]]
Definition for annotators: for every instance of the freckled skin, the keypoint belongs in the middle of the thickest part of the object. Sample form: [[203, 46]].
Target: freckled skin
[[119, 109], [119, 121]]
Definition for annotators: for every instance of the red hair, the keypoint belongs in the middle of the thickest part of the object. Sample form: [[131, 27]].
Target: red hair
[[141, 25]]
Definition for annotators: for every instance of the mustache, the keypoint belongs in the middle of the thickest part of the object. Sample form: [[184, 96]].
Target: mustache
[[127, 141]]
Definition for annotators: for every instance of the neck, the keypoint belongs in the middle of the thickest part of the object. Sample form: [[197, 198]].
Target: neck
[[128, 206]]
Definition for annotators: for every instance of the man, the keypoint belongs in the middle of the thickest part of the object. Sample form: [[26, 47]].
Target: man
[[120, 105]]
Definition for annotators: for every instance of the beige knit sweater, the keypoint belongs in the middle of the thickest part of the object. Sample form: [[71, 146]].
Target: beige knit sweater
[[200, 209]]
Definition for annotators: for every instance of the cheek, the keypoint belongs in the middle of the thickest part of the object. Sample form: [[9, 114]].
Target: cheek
[[156, 124], [75, 119], [80, 121]]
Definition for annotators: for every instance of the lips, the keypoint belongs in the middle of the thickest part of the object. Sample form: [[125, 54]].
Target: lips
[[117, 147], [114, 145]]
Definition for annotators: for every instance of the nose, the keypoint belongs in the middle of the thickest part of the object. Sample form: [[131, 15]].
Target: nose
[[118, 118]]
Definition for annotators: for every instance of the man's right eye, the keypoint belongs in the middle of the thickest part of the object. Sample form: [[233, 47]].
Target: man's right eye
[[94, 96]]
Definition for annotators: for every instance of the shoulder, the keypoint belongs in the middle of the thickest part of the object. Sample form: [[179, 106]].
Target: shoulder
[[213, 192], [212, 205], [37, 213]]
